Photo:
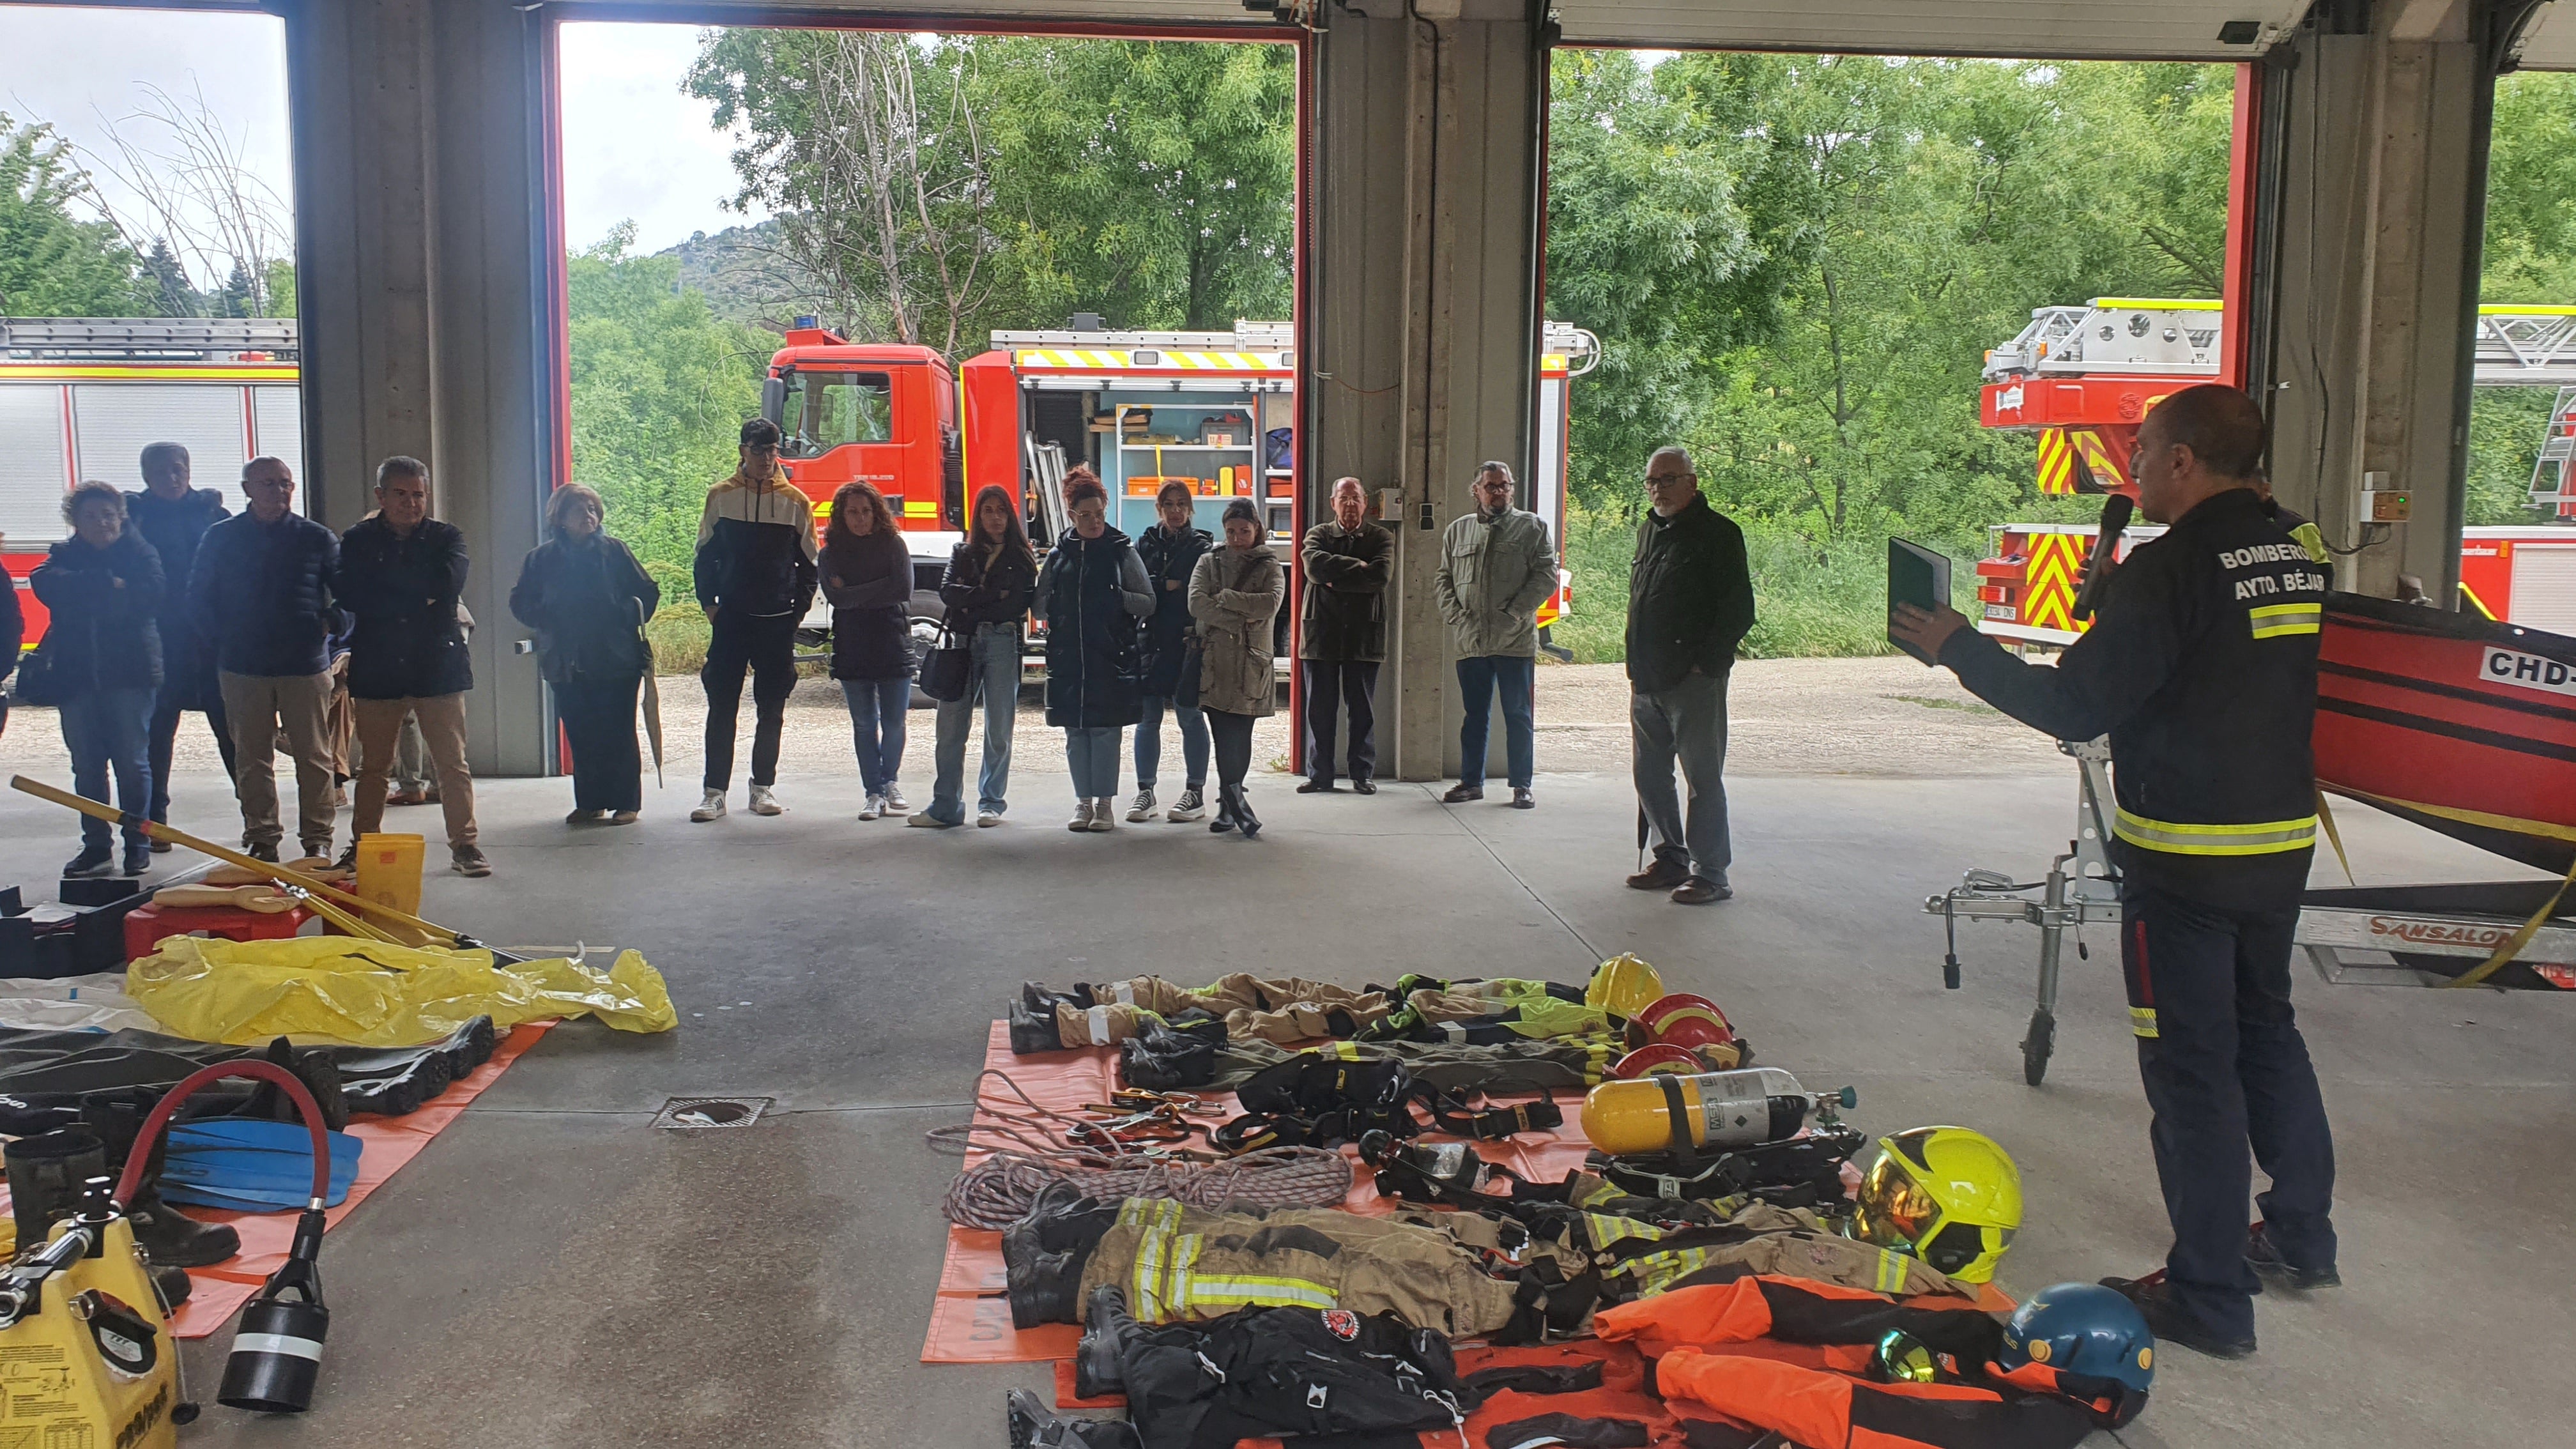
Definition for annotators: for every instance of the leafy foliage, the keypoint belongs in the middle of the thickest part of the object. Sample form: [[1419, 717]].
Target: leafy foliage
[[52, 263]]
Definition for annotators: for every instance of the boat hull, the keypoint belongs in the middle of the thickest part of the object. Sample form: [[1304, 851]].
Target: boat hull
[[2461, 724]]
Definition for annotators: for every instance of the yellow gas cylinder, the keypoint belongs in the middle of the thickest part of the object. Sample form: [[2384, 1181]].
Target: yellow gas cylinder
[[93, 1364], [1740, 1108]]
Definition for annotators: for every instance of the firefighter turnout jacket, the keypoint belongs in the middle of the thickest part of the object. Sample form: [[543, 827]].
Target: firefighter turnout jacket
[[2202, 668]]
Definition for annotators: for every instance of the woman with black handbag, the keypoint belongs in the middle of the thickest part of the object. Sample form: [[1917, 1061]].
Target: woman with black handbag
[[984, 595], [102, 664], [1170, 551]]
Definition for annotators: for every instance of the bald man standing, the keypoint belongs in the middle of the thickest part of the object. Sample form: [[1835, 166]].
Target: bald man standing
[[2201, 665], [1690, 603]]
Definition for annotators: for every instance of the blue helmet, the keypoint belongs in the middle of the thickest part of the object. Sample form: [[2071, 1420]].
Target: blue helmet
[[2085, 1329]]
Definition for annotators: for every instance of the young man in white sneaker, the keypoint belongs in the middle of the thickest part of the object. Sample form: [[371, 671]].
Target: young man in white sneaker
[[756, 574]]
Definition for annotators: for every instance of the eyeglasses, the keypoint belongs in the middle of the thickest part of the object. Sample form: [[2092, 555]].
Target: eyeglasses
[[1660, 479]]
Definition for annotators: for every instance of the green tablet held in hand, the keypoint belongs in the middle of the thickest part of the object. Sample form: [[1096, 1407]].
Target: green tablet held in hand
[[1919, 576]]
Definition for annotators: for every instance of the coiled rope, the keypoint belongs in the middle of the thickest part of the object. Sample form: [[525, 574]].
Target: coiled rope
[[1002, 1187]]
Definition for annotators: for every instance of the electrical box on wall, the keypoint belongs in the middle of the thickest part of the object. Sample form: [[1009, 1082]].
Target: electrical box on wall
[[1390, 505], [2381, 503]]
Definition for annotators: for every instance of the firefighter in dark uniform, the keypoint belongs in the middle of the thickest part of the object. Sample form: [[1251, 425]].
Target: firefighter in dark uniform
[[2202, 667]]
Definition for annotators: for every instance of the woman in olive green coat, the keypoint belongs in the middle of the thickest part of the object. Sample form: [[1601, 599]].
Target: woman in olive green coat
[[1234, 594]]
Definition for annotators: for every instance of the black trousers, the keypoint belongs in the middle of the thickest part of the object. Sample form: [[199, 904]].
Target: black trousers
[[767, 648], [2225, 1068], [1330, 684], [599, 723], [166, 710], [1232, 736]]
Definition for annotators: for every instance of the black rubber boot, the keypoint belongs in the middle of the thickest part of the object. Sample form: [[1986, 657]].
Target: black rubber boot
[[45, 1176], [1034, 1426], [166, 1235], [1034, 1031], [1100, 1360], [321, 1076], [1043, 1256], [1038, 997]]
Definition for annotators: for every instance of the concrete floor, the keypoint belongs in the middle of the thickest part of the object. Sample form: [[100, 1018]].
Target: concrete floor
[[551, 1272]]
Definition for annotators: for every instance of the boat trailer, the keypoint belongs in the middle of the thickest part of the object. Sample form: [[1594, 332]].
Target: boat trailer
[[2420, 935]]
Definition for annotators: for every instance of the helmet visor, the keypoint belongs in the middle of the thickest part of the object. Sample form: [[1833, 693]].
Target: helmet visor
[[1894, 1210]]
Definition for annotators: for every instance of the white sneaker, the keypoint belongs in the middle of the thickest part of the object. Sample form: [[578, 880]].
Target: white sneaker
[[1143, 809], [711, 808], [987, 819], [765, 803], [895, 804], [1188, 808], [1104, 814], [928, 821], [1081, 816], [875, 808]]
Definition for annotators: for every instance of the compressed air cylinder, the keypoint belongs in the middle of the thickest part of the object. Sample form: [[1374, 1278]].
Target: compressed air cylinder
[[1720, 1109]]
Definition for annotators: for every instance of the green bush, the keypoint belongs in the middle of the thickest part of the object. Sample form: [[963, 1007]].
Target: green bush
[[678, 634], [1809, 600]]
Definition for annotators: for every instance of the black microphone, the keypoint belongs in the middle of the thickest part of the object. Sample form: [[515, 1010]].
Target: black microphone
[[2106, 547]]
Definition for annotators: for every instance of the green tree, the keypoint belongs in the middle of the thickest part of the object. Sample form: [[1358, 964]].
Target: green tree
[[660, 387], [53, 264], [1150, 181]]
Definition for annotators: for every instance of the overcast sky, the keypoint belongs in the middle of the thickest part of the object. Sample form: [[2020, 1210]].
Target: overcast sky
[[634, 145]]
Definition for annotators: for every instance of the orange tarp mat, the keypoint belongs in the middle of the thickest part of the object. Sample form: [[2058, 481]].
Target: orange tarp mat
[[970, 1319], [390, 1142]]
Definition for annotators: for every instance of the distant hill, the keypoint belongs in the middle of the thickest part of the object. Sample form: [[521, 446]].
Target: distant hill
[[745, 274]]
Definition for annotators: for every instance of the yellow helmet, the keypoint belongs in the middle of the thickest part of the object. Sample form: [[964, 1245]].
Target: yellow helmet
[[1623, 986], [1949, 1195]]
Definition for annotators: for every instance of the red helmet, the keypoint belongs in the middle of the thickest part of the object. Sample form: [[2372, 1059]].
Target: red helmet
[[1646, 1061], [1685, 1021]]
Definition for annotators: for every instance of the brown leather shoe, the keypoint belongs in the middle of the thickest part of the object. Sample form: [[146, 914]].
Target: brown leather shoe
[[407, 797], [1461, 794], [1663, 875], [1699, 890]]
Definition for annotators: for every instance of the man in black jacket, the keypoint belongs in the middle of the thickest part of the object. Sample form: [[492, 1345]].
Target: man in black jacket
[[1690, 602], [2201, 666], [261, 589], [402, 574], [756, 575], [1346, 562], [173, 518]]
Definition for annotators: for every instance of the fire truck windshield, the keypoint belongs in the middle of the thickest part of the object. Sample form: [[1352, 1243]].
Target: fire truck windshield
[[827, 410]]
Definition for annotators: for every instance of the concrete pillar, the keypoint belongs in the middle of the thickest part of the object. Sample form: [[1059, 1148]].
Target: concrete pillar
[[2380, 209], [424, 286], [1423, 300]]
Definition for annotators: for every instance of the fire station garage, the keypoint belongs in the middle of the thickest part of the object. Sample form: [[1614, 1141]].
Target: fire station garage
[[1408, 1117]]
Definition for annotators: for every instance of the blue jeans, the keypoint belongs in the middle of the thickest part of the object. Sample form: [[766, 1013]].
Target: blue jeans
[[1514, 675], [995, 681], [876, 727], [1091, 752], [110, 730], [1149, 742]]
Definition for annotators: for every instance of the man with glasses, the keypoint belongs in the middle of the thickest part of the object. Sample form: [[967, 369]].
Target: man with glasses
[[1690, 602], [756, 572], [261, 590], [1496, 568]]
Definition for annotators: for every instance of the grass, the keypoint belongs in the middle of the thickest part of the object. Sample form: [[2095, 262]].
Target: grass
[[1807, 602], [678, 634], [1963, 706]]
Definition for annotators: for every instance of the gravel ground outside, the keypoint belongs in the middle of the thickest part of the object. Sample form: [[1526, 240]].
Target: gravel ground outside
[[1887, 717]]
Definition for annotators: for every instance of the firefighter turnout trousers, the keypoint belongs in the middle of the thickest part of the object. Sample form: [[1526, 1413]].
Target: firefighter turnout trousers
[[1182, 1264], [2209, 1001], [1287, 1009]]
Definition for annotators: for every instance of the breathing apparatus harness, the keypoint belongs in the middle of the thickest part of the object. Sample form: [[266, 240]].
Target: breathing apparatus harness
[[1315, 1099]]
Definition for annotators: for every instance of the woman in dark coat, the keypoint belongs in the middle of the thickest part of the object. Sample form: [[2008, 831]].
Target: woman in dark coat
[[867, 578], [102, 655], [1170, 550], [983, 596], [587, 598], [1091, 593]]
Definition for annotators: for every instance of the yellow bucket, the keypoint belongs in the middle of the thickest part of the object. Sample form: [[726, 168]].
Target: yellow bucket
[[389, 870]]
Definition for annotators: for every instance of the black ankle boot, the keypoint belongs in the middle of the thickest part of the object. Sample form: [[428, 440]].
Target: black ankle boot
[[1034, 1031], [166, 1235], [45, 1176], [1224, 821], [1100, 1361], [1043, 1256], [1244, 819]]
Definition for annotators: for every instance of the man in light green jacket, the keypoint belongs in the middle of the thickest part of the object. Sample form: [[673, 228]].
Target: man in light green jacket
[[1496, 568]]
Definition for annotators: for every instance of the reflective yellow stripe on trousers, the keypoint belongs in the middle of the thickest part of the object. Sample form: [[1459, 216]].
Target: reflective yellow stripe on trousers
[[2263, 837]]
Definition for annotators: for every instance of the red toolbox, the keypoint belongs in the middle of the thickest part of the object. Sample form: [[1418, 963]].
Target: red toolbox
[[145, 925]]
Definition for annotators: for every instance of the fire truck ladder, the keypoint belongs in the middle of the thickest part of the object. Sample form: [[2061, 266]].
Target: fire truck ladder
[[146, 339], [2553, 477]]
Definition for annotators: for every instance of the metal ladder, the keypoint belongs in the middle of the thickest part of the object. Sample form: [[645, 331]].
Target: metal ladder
[[2553, 476]]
